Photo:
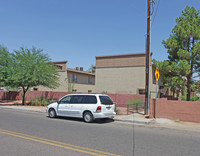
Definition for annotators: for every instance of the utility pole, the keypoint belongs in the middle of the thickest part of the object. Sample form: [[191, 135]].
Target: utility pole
[[147, 58]]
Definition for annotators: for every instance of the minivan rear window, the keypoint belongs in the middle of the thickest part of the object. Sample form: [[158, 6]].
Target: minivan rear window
[[105, 100]]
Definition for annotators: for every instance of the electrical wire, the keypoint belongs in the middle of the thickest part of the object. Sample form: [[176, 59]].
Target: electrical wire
[[155, 13], [152, 6]]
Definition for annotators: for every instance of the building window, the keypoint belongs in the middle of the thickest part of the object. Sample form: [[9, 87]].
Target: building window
[[35, 89], [74, 78], [141, 91], [89, 91], [90, 80]]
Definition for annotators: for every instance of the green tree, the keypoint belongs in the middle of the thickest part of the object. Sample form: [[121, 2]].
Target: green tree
[[184, 45], [172, 75], [5, 58], [92, 69], [28, 68]]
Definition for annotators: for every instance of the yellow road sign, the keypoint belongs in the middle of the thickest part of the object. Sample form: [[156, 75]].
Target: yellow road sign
[[157, 74]]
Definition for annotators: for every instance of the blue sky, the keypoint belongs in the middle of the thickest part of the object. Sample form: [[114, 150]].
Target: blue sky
[[79, 30]]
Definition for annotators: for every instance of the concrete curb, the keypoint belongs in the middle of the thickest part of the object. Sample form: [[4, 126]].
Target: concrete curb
[[134, 122]]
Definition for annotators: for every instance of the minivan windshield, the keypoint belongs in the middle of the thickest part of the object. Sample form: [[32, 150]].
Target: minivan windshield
[[105, 100]]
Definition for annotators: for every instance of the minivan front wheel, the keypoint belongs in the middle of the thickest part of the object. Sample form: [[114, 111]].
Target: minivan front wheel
[[88, 117], [52, 113]]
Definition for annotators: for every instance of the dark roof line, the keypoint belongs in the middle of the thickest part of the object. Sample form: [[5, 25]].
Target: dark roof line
[[60, 62], [122, 55]]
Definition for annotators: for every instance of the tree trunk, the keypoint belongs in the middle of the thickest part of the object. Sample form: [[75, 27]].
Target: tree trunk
[[173, 93], [189, 79], [183, 90], [23, 96]]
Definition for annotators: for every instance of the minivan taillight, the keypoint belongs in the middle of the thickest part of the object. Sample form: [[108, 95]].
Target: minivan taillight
[[98, 109]]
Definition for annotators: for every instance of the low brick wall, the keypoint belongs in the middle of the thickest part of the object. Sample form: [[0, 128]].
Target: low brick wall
[[17, 95], [10, 95], [122, 99], [175, 110], [119, 99]]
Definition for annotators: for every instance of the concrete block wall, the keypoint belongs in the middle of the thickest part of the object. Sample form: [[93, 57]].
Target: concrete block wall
[[175, 110]]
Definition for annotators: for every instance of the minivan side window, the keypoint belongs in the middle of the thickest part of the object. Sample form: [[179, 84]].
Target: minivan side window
[[105, 100], [90, 99], [77, 99], [65, 100]]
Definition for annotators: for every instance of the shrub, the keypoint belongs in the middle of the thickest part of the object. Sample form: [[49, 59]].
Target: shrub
[[117, 111], [195, 98], [183, 98], [41, 101], [135, 103]]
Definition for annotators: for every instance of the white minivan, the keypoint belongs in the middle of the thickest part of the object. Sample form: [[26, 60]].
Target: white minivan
[[86, 106]]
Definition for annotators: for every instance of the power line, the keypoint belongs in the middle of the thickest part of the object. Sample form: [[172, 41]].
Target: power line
[[155, 12], [152, 6]]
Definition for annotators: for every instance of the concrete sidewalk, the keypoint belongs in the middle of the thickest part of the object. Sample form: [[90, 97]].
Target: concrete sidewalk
[[38, 109], [136, 118]]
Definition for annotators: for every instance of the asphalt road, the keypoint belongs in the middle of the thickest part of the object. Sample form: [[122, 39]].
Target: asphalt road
[[34, 134]]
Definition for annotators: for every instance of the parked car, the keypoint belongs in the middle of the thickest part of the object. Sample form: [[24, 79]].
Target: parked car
[[86, 106]]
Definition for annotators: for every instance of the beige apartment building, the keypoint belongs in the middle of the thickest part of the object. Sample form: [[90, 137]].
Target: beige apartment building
[[72, 80], [123, 74]]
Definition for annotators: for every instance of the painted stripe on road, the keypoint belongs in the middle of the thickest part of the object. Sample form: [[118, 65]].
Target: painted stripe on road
[[58, 144]]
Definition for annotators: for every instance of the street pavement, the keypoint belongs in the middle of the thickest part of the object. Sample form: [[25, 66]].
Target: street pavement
[[29, 133], [136, 118]]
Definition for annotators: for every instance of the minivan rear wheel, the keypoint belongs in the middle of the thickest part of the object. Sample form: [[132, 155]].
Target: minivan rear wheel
[[88, 117]]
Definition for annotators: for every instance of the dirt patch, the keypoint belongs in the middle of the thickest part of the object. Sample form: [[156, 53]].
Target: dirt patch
[[10, 102]]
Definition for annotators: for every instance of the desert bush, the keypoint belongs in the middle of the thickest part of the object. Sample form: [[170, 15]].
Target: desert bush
[[40, 101], [135, 103], [195, 98]]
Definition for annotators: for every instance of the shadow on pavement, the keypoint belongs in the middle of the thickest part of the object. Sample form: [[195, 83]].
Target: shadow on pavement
[[96, 121]]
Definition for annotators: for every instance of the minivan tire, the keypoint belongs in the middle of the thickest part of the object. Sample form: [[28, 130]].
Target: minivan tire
[[88, 117], [52, 113]]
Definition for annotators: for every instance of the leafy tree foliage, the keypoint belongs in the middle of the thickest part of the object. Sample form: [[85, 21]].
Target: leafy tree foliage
[[172, 75], [92, 69], [184, 47], [5, 58], [27, 68]]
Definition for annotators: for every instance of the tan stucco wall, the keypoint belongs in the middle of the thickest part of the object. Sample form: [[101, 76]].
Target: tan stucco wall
[[121, 61], [125, 60], [63, 81], [82, 84], [81, 78], [84, 88], [120, 80], [122, 74], [125, 80]]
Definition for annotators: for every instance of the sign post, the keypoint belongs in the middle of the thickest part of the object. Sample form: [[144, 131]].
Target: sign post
[[157, 75]]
